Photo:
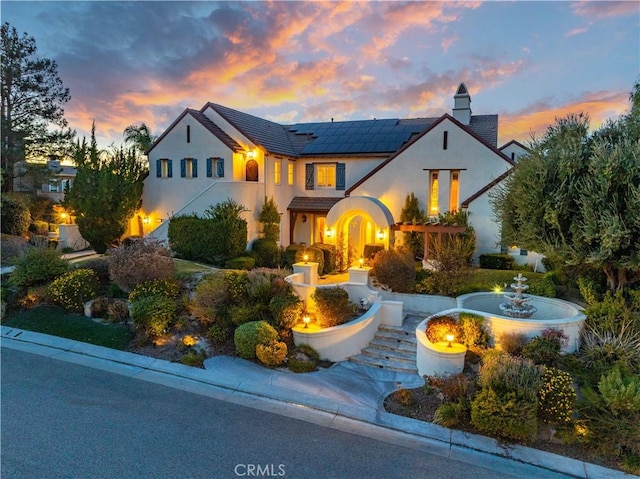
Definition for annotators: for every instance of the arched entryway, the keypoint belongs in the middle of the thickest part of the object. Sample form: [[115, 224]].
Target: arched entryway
[[359, 222], [252, 170]]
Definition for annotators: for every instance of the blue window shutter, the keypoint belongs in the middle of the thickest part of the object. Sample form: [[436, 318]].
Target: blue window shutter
[[340, 176], [158, 168], [183, 168], [308, 177], [209, 167], [194, 167], [169, 168], [220, 167]]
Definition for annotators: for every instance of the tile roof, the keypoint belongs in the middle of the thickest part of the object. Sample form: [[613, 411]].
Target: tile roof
[[216, 130], [382, 136], [313, 205]]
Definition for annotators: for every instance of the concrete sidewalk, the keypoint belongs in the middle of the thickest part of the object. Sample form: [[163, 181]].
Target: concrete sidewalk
[[346, 397]]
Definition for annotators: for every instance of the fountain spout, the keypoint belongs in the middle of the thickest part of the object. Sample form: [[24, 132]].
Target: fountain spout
[[518, 306]]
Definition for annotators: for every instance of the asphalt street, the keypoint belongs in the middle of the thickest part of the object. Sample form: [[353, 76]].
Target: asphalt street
[[63, 420]]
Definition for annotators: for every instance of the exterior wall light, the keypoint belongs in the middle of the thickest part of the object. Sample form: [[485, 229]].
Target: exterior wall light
[[381, 235], [251, 154], [329, 233], [146, 220]]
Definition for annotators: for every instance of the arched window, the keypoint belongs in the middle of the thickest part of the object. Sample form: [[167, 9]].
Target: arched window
[[252, 170]]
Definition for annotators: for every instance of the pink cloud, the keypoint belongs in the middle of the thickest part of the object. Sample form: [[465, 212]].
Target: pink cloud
[[576, 31], [534, 120], [601, 9]]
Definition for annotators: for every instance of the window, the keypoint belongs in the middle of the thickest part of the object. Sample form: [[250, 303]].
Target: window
[[164, 168], [276, 172], [215, 167], [433, 193], [188, 168], [445, 140], [188, 133], [454, 191], [326, 176], [290, 173], [58, 186]]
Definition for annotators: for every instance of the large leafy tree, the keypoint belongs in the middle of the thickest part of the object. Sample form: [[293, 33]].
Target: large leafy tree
[[32, 99], [577, 195], [105, 193]]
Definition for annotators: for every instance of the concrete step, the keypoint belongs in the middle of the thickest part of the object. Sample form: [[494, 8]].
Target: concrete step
[[387, 364], [393, 345], [402, 357], [397, 336]]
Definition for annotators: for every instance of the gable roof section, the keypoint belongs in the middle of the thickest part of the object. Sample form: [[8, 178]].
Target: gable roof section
[[270, 136], [514, 142], [204, 121], [484, 189], [446, 116]]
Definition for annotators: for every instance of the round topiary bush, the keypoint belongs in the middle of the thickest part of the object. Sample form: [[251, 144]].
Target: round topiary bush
[[272, 354], [14, 217], [73, 289], [286, 310], [248, 335]]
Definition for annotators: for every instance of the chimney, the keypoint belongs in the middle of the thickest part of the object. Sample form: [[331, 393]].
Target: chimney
[[462, 105]]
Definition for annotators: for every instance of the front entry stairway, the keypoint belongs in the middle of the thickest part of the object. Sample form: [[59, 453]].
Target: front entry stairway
[[393, 348]]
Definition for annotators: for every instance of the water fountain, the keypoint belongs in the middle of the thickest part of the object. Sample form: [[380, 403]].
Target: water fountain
[[518, 306]]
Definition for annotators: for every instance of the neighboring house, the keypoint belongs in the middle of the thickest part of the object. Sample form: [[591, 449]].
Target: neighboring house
[[60, 178], [345, 179]]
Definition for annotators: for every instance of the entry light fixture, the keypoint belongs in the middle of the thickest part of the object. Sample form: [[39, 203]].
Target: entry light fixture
[[146, 220], [251, 154], [381, 235], [329, 233], [361, 261]]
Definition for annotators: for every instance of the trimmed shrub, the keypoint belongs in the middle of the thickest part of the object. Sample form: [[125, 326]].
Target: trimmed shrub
[[243, 313], [315, 256], [73, 289], [242, 262], [266, 253], [155, 287], [139, 261], [556, 397], [333, 306], [473, 334], [237, 286], [153, 313], [290, 253], [542, 350], [247, 337], [439, 327], [330, 255], [543, 287], [286, 310], [395, 270], [211, 295], [37, 266], [14, 217], [272, 354], [505, 416], [620, 392], [497, 261]]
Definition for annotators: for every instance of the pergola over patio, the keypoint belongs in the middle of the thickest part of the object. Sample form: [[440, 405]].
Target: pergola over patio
[[428, 230]]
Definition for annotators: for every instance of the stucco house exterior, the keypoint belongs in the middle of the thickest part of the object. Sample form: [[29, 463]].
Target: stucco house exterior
[[329, 179]]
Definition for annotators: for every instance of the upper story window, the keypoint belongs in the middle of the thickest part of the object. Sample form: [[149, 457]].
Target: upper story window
[[454, 191], [434, 209], [188, 133], [215, 167], [290, 173], [58, 186], [188, 168], [277, 174], [164, 168], [445, 140], [325, 175]]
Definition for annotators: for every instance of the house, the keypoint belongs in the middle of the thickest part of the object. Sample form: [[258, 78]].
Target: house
[[59, 177], [331, 179]]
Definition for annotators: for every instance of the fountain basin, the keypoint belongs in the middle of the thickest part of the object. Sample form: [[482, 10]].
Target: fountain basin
[[550, 313]]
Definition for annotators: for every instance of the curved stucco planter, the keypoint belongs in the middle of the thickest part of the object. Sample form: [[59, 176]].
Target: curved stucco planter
[[437, 359], [340, 342]]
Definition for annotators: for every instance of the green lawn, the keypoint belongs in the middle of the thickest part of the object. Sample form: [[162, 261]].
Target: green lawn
[[184, 267], [57, 322]]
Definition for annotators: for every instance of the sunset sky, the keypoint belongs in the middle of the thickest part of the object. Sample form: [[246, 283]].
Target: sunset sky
[[529, 62]]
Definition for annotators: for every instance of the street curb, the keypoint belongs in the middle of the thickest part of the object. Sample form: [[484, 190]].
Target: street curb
[[407, 432]]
